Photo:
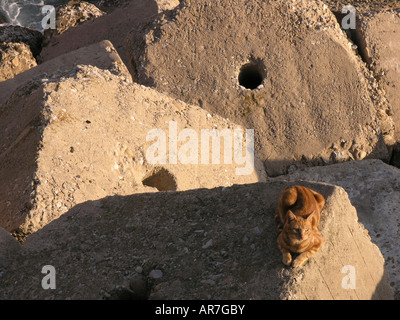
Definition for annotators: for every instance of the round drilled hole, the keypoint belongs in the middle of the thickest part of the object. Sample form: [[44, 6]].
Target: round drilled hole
[[250, 76], [161, 179]]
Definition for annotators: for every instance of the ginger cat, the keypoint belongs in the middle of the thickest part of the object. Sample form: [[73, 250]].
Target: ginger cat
[[297, 217]]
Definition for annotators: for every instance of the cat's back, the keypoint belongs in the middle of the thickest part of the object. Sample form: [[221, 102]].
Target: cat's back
[[302, 201]]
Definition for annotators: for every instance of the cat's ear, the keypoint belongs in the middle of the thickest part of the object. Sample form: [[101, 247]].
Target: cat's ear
[[290, 216], [309, 217]]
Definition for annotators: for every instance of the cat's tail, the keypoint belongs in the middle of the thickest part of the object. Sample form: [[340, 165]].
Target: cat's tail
[[288, 197]]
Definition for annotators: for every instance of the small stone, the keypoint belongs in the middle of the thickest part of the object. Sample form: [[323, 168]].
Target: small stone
[[208, 244], [256, 230], [325, 160], [338, 156], [139, 269], [208, 281], [15, 62], [361, 155], [156, 274]]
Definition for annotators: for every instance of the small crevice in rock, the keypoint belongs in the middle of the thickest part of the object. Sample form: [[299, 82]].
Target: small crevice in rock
[[161, 179]]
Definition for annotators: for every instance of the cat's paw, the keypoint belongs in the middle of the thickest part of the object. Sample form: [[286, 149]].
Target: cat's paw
[[298, 262], [287, 259]]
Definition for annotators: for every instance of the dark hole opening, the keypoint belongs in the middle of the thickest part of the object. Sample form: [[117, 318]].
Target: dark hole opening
[[161, 179], [355, 36], [250, 76]]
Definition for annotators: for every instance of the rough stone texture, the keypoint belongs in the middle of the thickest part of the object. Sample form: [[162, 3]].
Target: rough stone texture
[[19, 146], [204, 246], [70, 15], [101, 55], [198, 244], [374, 189], [9, 248], [14, 59], [113, 27], [316, 96], [110, 5], [379, 38], [83, 135], [363, 6], [17, 34]]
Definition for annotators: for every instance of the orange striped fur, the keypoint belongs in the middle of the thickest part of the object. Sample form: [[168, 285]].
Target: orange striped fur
[[297, 217]]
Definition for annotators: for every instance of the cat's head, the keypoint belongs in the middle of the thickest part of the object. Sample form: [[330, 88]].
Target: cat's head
[[298, 228]]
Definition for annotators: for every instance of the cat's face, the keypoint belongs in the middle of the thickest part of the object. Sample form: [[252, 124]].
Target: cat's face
[[298, 228]]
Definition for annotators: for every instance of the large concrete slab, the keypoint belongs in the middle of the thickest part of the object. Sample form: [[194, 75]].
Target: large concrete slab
[[199, 244], [379, 38], [314, 100], [86, 133]]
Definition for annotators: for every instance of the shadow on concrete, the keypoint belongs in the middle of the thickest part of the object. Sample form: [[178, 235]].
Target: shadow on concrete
[[380, 292], [275, 168], [218, 243]]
